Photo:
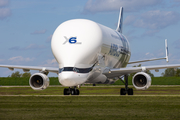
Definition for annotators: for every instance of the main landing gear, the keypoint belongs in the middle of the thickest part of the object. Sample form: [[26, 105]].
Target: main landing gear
[[72, 91], [126, 90]]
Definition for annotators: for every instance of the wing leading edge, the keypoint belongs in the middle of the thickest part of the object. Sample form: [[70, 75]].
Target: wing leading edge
[[28, 68], [116, 72]]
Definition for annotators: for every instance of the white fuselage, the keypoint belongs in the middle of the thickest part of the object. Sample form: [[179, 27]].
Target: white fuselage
[[80, 44]]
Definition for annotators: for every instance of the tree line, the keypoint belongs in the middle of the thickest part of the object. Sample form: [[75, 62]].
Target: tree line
[[171, 72], [167, 73], [17, 74]]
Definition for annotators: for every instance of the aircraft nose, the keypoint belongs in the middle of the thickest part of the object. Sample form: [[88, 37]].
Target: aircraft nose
[[72, 79], [65, 76]]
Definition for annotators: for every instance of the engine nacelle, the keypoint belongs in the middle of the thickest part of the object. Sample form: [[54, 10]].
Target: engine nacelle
[[141, 81], [39, 81]]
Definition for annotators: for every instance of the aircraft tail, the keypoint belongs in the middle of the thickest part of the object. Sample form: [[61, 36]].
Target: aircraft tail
[[120, 21]]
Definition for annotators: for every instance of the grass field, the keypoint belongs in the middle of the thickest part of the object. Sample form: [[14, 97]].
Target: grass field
[[4, 81], [161, 102], [90, 108], [90, 90]]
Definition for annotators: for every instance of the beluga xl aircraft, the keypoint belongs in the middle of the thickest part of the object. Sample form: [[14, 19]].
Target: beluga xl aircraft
[[88, 52]]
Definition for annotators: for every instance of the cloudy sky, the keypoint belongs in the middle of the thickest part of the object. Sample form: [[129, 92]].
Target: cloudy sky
[[26, 28]]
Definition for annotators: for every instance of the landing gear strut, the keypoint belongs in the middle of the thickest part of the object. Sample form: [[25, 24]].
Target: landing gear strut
[[126, 90], [72, 91]]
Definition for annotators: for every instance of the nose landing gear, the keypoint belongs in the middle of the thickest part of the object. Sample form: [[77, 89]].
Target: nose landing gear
[[72, 91]]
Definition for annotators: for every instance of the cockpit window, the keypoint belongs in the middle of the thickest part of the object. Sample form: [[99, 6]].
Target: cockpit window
[[78, 70], [60, 70], [84, 70], [68, 69], [75, 70]]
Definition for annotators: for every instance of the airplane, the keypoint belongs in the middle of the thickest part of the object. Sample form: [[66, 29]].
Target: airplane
[[88, 52]]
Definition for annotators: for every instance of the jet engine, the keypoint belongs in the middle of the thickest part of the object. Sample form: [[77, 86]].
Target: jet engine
[[39, 81], [141, 81]]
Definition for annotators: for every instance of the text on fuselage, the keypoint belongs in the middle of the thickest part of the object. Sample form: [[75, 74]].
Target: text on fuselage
[[116, 50], [71, 40]]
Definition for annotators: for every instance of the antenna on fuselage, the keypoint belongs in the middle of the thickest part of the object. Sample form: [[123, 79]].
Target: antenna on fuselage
[[120, 21]]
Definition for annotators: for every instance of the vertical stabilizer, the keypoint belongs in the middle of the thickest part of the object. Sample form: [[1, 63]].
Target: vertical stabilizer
[[120, 21]]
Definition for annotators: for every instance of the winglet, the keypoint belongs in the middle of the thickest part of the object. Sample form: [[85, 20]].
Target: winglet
[[167, 53], [120, 21]]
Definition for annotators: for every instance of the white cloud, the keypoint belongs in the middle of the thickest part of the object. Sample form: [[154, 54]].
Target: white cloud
[[153, 21], [49, 38], [39, 32], [1, 60], [150, 32], [157, 19], [4, 13], [20, 59], [34, 46], [4, 3], [129, 19], [94, 6], [29, 47], [147, 53], [51, 63]]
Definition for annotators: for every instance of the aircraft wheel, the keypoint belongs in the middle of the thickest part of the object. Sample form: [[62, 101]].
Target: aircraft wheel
[[73, 92], [123, 91], [66, 91], [77, 92], [130, 91]]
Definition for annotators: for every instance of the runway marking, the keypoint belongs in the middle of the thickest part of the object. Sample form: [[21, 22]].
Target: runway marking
[[102, 86], [88, 95]]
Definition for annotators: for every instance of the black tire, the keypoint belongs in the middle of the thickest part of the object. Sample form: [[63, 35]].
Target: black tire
[[73, 92], [66, 91], [130, 91], [122, 91], [77, 92]]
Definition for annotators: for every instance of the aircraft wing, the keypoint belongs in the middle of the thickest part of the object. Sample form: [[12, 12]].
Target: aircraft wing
[[116, 72], [28, 68], [167, 59]]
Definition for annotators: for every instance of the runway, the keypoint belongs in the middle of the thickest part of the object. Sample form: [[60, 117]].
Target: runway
[[99, 86], [88, 95], [89, 91]]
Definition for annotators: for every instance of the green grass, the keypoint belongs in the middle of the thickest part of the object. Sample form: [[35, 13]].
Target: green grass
[[166, 81], [5, 81], [98, 90], [90, 108]]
